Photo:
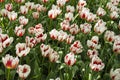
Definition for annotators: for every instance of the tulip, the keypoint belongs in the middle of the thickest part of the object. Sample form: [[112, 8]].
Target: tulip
[[96, 64], [19, 31], [69, 39], [8, 6], [92, 53], [109, 36], [29, 5], [22, 49], [93, 43], [46, 50], [65, 25], [35, 15], [101, 12], [5, 40], [10, 62], [23, 20], [53, 56], [100, 27], [54, 34], [61, 3], [23, 10], [30, 42], [76, 47], [12, 16], [85, 28], [70, 8], [74, 29], [114, 15], [62, 35], [4, 12], [115, 74], [69, 16], [23, 71], [69, 59]]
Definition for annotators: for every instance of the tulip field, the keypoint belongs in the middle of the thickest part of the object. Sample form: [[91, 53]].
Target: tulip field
[[59, 39]]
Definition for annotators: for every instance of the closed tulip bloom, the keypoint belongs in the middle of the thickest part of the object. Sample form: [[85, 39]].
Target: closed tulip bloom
[[39, 7], [62, 36], [74, 29], [23, 10], [23, 71], [93, 43], [70, 8], [109, 36], [8, 6], [53, 13], [109, 5], [23, 20], [85, 28], [82, 3], [40, 37], [29, 5], [65, 25], [69, 59], [35, 15], [69, 39], [96, 64], [31, 30], [12, 16], [76, 47], [4, 12], [10, 62], [38, 28], [92, 53], [19, 31], [100, 27], [115, 74], [54, 34], [114, 15], [91, 17], [22, 49], [116, 46], [69, 16], [53, 56], [114, 8], [46, 50], [61, 3], [30, 41], [101, 12], [84, 13], [115, 2], [5, 40]]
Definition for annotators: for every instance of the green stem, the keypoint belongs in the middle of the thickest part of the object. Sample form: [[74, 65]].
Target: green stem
[[8, 76], [112, 57]]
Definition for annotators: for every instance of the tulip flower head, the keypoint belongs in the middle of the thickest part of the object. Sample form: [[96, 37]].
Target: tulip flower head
[[23, 71], [69, 59], [10, 62]]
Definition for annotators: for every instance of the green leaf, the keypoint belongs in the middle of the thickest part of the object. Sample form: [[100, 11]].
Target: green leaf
[[1, 72]]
